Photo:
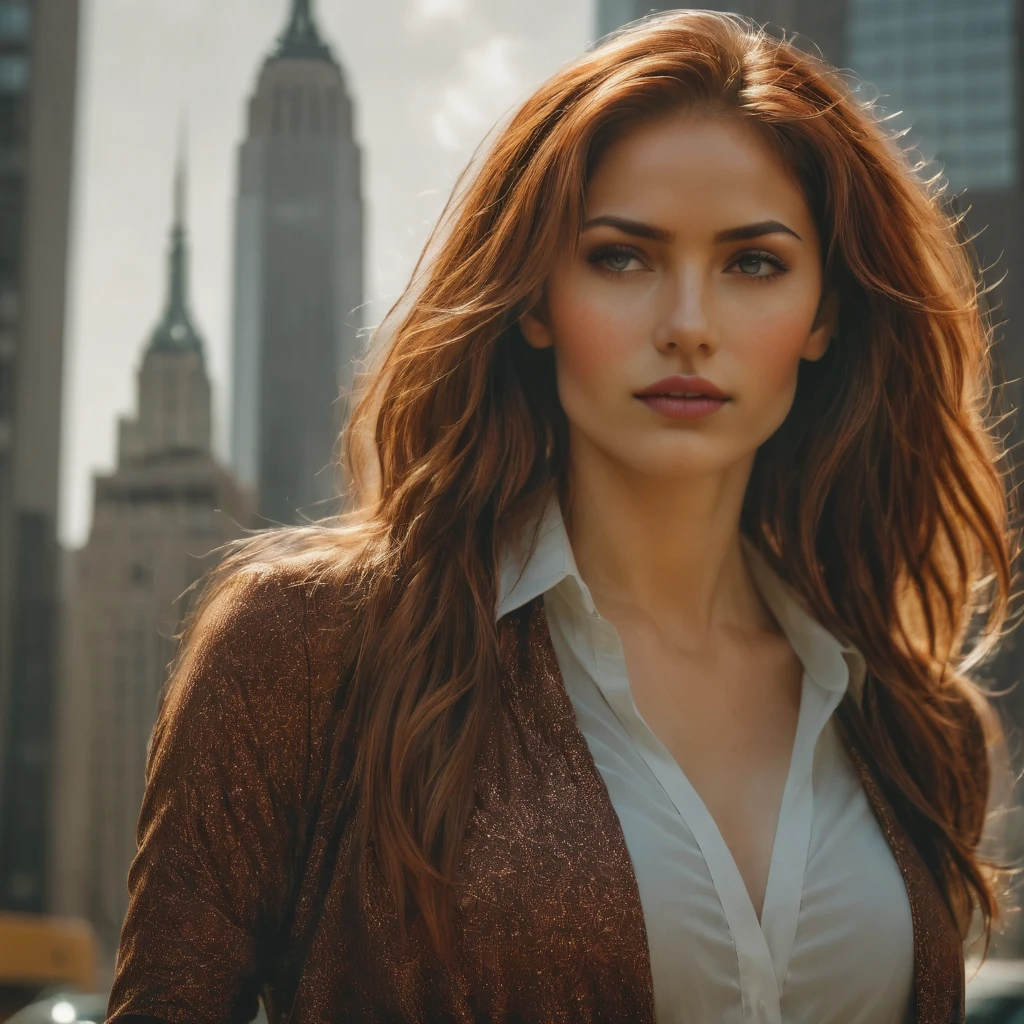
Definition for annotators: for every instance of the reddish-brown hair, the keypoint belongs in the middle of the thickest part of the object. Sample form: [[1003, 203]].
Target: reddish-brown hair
[[880, 499]]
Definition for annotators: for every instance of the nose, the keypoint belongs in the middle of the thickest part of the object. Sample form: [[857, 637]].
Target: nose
[[685, 322]]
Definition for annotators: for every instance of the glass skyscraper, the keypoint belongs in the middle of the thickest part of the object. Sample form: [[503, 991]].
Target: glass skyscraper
[[950, 66]]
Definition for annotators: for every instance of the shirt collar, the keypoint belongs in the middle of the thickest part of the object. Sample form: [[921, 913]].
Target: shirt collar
[[831, 663]]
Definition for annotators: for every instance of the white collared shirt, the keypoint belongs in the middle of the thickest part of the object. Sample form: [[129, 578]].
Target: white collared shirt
[[835, 941]]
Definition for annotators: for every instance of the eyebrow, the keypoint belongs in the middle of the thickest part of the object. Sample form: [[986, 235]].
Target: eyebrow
[[640, 230]]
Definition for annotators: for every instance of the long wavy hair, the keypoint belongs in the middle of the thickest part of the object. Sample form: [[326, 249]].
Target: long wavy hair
[[881, 498]]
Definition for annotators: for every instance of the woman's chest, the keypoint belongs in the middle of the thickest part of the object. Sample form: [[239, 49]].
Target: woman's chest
[[758, 893], [835, 940], [729, 722]]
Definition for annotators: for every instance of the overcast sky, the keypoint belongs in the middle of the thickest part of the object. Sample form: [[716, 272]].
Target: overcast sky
[[428, 79]]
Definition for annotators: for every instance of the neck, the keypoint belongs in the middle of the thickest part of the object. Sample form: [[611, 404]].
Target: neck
[[666, 548]]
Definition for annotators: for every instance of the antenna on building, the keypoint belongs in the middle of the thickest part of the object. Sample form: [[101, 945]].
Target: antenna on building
[[176, 330], [181, 175]]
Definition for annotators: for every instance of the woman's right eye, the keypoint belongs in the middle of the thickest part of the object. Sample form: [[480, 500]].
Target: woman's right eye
[[615, 260]]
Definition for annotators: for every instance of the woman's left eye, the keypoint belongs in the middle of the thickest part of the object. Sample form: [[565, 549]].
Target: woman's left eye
[[752, 264]]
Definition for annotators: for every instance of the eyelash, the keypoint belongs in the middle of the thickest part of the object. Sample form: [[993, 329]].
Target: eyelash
[[619, 250]]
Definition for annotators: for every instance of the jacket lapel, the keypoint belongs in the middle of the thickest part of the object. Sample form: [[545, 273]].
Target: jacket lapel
[[938, 949]]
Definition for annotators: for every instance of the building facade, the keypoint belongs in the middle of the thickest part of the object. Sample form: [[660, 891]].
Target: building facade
[[157, 521], [298, 276], [38, 74], [819, 24]]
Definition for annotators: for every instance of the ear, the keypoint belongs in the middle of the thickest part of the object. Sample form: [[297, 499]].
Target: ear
[[535, 329], [824, 327]]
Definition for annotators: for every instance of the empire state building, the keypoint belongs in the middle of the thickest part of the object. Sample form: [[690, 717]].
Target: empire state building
[[298, 276]]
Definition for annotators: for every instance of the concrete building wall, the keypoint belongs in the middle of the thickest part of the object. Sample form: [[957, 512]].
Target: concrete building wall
[[174, 407], [155, 526]]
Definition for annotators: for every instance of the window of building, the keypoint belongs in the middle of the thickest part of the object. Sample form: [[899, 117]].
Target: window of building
[[12, 121], [15, 20], [14, 72]]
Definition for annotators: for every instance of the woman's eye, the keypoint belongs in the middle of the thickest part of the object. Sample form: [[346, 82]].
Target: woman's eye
[[615, 260], [760, 264]]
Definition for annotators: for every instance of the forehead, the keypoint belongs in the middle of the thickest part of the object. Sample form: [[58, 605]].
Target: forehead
[[695, 169]]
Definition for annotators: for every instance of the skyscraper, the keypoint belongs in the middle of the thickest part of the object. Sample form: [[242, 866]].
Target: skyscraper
[[38, 61], [298, 275], [157, 520], [820, 23]]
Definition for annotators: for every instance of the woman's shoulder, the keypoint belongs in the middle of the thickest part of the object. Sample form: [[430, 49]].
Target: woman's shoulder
[[268, 628], [237, 760]]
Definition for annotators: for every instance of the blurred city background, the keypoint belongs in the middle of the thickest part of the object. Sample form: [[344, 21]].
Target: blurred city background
[[204, 206]]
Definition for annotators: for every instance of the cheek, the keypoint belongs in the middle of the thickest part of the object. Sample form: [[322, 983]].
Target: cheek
[[596, 339], [766, 361], [769, 348]]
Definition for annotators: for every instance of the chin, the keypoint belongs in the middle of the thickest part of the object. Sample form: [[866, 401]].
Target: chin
[[674, 461]]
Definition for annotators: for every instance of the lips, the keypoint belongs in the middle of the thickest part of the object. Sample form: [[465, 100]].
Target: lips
[[683, 408], [678, 386], [679, 394]]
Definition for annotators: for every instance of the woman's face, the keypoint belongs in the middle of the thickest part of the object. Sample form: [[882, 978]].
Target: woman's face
[[698, 257]]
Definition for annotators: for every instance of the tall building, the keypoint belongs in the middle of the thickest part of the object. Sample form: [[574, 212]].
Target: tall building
[[298, 276], [820, 23], [156, 522], [38, 62]]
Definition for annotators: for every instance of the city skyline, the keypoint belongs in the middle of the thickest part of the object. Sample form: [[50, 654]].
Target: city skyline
[[428, 77]]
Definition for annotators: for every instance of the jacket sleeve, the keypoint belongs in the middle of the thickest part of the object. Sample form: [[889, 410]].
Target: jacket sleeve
[[211, 880]]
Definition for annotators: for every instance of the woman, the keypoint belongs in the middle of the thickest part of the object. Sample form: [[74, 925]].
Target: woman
[[634, 688]]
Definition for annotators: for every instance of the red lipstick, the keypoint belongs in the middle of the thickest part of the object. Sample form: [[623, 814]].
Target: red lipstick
[[680, 398]]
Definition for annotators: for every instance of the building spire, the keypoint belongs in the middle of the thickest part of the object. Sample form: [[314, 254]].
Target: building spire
[[301, 39], [181, 178], [175, 330]]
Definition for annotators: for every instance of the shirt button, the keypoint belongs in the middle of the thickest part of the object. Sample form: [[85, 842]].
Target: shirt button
[[760, 1007]]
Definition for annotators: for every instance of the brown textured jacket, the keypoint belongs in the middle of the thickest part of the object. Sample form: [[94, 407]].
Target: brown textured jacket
[[235, 890]]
